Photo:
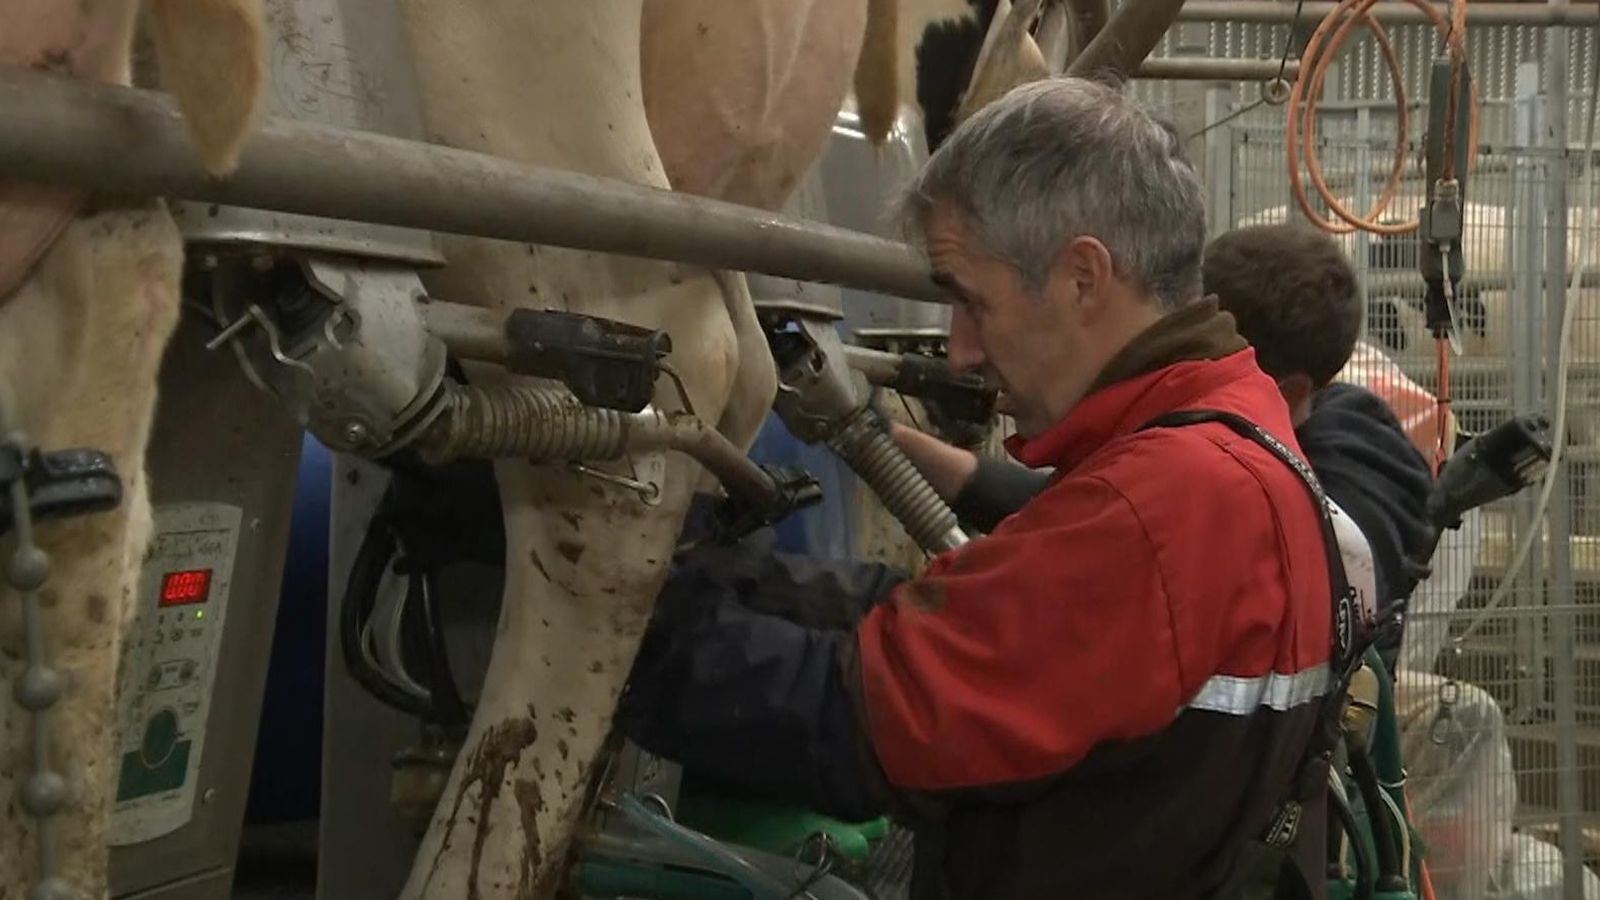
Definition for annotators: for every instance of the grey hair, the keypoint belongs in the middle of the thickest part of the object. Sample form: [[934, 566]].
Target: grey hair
[[1062, 158]]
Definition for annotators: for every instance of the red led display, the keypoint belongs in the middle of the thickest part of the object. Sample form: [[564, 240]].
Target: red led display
[[182, 588]]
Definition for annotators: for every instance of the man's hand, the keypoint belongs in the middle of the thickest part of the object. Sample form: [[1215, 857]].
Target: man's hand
[[947, 468]]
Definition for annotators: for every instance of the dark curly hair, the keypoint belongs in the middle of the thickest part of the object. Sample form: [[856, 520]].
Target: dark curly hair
[[1293, 294]]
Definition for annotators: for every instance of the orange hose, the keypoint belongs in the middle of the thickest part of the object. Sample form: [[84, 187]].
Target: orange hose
[[1316, 60], [1427, 882]]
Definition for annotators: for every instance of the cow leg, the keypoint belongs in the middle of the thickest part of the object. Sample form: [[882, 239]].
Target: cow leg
[[556, 83], [80, 348]]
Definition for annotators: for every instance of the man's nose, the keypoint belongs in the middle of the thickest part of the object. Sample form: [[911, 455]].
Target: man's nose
[[965, 354]]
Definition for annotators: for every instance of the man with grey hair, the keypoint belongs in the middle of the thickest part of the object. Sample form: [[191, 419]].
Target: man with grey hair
[[1113, 693]]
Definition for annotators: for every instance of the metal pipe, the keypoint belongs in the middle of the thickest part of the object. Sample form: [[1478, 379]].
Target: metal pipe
[[878, 367], [1127, 39], [1089, 18], [122, 140], [469, 332], [1280, 12], [1563, 626], [1206, 68]]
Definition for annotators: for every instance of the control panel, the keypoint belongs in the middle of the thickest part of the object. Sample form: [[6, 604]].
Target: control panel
[[168, 667]]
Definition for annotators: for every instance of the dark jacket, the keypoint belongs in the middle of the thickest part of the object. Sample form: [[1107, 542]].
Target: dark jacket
[[1125, 672]]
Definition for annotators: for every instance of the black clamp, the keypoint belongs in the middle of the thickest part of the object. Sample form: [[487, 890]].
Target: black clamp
[[605, 363], [960, 396], [60, 485], [737, 516]]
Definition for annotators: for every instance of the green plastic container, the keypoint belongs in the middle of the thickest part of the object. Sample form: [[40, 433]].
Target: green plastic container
[[774, 827]]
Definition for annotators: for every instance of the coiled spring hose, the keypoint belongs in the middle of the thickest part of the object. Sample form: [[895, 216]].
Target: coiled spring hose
[[864, 443], [548, 424]]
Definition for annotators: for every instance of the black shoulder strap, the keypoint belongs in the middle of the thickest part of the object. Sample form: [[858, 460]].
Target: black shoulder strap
[[1348, 646]]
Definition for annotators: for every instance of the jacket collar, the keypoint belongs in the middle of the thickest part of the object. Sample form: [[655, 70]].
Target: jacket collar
[[1164, 367]]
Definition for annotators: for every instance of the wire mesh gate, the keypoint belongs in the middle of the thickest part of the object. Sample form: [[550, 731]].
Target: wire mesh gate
[[1501, 707]]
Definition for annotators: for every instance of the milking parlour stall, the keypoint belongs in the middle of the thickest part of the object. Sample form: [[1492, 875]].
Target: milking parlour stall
[[364, 366]]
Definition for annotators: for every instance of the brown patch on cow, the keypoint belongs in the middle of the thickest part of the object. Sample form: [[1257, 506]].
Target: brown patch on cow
[[561, 747], [596, 667], [573, 519], [494, 753], [572, 550], [566, 714], [538, 563], [928, 596], [97, 608], [529, 803]]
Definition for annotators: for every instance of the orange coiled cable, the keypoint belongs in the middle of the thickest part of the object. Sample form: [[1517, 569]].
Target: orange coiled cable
[[1320, 51]]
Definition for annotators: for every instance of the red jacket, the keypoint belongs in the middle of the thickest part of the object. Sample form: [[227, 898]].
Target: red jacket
[[1109, 694]]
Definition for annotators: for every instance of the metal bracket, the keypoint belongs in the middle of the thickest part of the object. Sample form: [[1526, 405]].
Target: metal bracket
[[737, 517], [59, 485], [647, 473]]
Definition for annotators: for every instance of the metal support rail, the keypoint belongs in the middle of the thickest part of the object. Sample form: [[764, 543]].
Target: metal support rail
[[122, 140], [1282, 12], [1209, 68]]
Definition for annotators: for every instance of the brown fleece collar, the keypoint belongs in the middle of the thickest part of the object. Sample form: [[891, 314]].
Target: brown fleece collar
[[1199, 330]]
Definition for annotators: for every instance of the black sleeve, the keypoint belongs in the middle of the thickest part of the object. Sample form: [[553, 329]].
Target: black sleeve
[[749, 700], [996, 490], [1371, 469]]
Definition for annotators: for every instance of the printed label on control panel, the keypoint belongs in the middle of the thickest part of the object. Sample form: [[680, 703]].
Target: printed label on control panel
[[169, 666]]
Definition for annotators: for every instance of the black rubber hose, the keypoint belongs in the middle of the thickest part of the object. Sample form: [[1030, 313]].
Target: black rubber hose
[[360, 595], [1390, 877], [1347, 821], [452, 710]]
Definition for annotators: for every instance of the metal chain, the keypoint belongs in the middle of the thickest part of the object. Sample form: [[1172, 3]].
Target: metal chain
[[45, 792]]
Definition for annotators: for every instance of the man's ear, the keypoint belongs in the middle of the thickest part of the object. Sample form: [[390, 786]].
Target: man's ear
[[1086, 263], [1297, 392]]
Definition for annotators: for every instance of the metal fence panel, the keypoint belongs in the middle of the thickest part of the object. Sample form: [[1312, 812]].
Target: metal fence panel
[[1515, 773]]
